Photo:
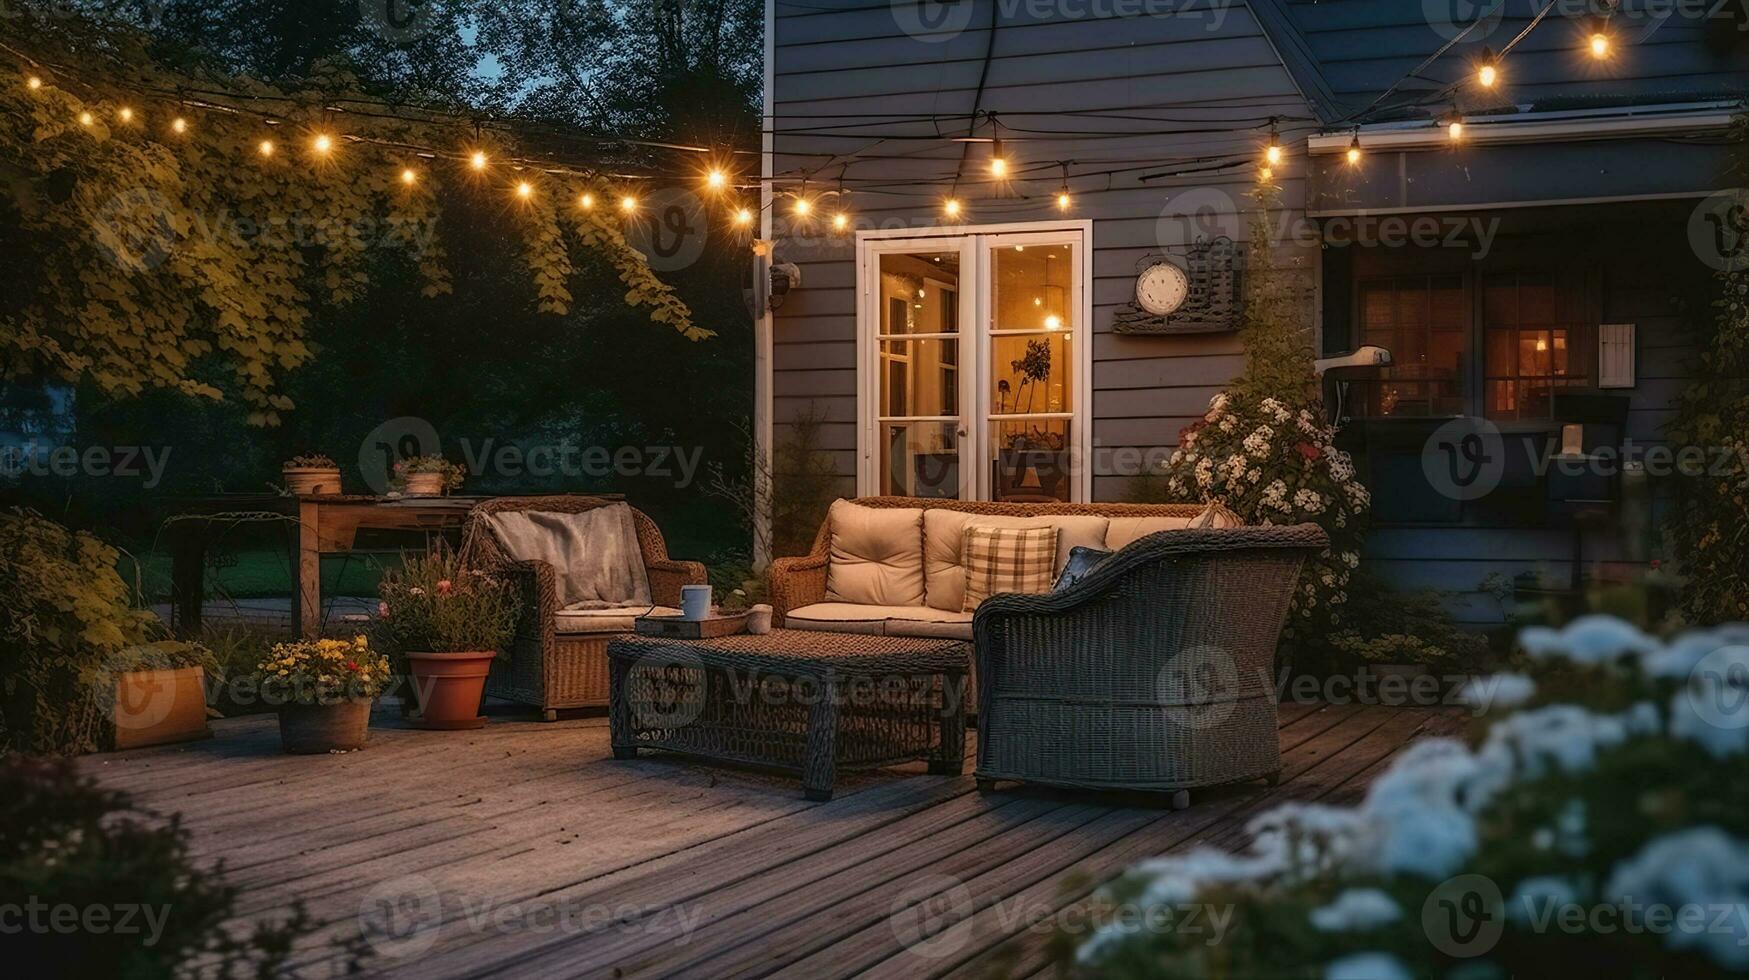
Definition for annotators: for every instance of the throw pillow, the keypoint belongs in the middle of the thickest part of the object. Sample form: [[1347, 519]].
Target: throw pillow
[[1007, 559], [1081, 561]]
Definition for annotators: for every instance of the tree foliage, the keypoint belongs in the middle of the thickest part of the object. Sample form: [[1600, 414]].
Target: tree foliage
[[146, 257]]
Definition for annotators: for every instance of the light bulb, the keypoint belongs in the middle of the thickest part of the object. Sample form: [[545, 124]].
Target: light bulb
[[125, 114], [34, 83], [265, 148], [478, 160], [841, 221], [1053, 322], [524, 190], [803, 207], [1487, 76], [179, 125], [586, 201], [951, 207], [86, 119], [1063, 201], [1267, 173], [744, 217], [409, 176], [1455, 130], [1354, 153], [1273, 155], [1599, 45], [998, 166], [628, 203], [323, 143], [716, 180]]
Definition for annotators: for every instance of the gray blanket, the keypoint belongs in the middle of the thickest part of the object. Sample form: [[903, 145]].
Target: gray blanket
[[595, 554]]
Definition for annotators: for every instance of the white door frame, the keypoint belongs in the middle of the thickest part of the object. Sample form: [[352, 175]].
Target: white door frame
[[969, 241]]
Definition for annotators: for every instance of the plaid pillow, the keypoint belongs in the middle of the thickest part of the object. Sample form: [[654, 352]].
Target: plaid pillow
[[1007, 559]]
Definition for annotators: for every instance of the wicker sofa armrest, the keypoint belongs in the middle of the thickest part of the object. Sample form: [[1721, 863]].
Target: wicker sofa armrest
[[668, 576], [536, 585], [797, 582], [1116, 612]]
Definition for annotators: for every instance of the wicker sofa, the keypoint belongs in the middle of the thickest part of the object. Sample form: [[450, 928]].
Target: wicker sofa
[[1153, 673], [558, 659]]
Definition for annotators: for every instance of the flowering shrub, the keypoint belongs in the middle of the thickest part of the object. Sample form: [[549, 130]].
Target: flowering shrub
[[1598, 826], [322, 672], [1274, 464], [432, 604]]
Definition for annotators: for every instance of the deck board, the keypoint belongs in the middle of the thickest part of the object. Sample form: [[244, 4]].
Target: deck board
[[687, 869]]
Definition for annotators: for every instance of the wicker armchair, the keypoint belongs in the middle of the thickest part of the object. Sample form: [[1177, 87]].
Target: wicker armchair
[[1154, 673], [545, 668]]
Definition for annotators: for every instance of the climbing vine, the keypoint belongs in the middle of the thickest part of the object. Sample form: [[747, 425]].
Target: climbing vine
[[156, 257]]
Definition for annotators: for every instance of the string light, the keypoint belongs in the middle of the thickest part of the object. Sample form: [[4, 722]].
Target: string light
[[744, 217], [1489, 72], [265, 148], [477, 160], [524, 189], [1272, 154], [802, 207], [1063, 199], [1266, 174], [34, 83], [586, 201], [125, 114], [951, 207], [716, 180], [628, 204], [1599, 45], [409, 176], [86, 119], [1455, 129], [998, 160], [1354, 150], [323, 143], [179, 125], [840, 221]]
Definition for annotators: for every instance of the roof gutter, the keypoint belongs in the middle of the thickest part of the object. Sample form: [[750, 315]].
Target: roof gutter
[[1538, 127]]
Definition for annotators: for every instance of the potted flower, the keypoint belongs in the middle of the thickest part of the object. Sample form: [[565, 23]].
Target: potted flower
[[324, 689], [447, 624], [426, 476], [311, 475]]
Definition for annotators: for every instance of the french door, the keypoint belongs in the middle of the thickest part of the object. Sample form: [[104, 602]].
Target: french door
[[973, 364]]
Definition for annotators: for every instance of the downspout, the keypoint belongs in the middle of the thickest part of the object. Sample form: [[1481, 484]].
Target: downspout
[[762, 321]]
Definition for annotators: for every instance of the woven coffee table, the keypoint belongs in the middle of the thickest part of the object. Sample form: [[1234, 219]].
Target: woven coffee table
[[800, 701]]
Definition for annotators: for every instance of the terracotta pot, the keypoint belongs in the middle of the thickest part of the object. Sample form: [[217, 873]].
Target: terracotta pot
[[424, 485], [448, 688], [305, 481], [311, 729], [157, 707]]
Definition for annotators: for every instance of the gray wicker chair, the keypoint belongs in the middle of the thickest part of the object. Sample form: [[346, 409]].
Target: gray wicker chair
[[1153, 673]]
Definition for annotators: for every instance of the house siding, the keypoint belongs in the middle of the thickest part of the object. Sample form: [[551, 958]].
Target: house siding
[[857, 60]]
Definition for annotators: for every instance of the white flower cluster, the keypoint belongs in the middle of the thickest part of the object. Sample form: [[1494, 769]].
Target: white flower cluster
[[1420, 817]]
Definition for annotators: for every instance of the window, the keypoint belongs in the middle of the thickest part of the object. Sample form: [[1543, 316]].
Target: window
[[1424, 322], [1534, 328], [974, 354]]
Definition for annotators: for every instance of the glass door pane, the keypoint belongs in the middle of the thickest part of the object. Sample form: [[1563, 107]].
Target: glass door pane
[[1030, 400], [919, 425]]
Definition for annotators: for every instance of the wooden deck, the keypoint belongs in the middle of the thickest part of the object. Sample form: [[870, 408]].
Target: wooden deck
[[547, 858]]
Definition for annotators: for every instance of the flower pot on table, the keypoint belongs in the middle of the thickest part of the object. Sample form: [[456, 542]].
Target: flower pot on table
[[448, 687], [312, 729], [425, 484], [310, 481]]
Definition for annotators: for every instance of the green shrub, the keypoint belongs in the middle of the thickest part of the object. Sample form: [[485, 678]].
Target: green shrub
[[432, 604], [67, 630], [143, 907]]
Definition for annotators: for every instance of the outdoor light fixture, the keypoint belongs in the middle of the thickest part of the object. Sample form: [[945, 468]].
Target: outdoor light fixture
[[1063, 200], [1354, 150], [1272, 155], [998, 162]]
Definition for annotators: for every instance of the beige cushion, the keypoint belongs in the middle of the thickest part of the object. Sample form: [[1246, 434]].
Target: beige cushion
[[1125, 531], [1004, 560], [846, 617], [877, 555], [585, 621], [944, 533]]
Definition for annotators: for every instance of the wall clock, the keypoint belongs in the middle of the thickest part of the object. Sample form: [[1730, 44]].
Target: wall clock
[[1162, 288]]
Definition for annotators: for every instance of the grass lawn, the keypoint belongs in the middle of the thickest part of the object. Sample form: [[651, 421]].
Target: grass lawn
[[258, 573]]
